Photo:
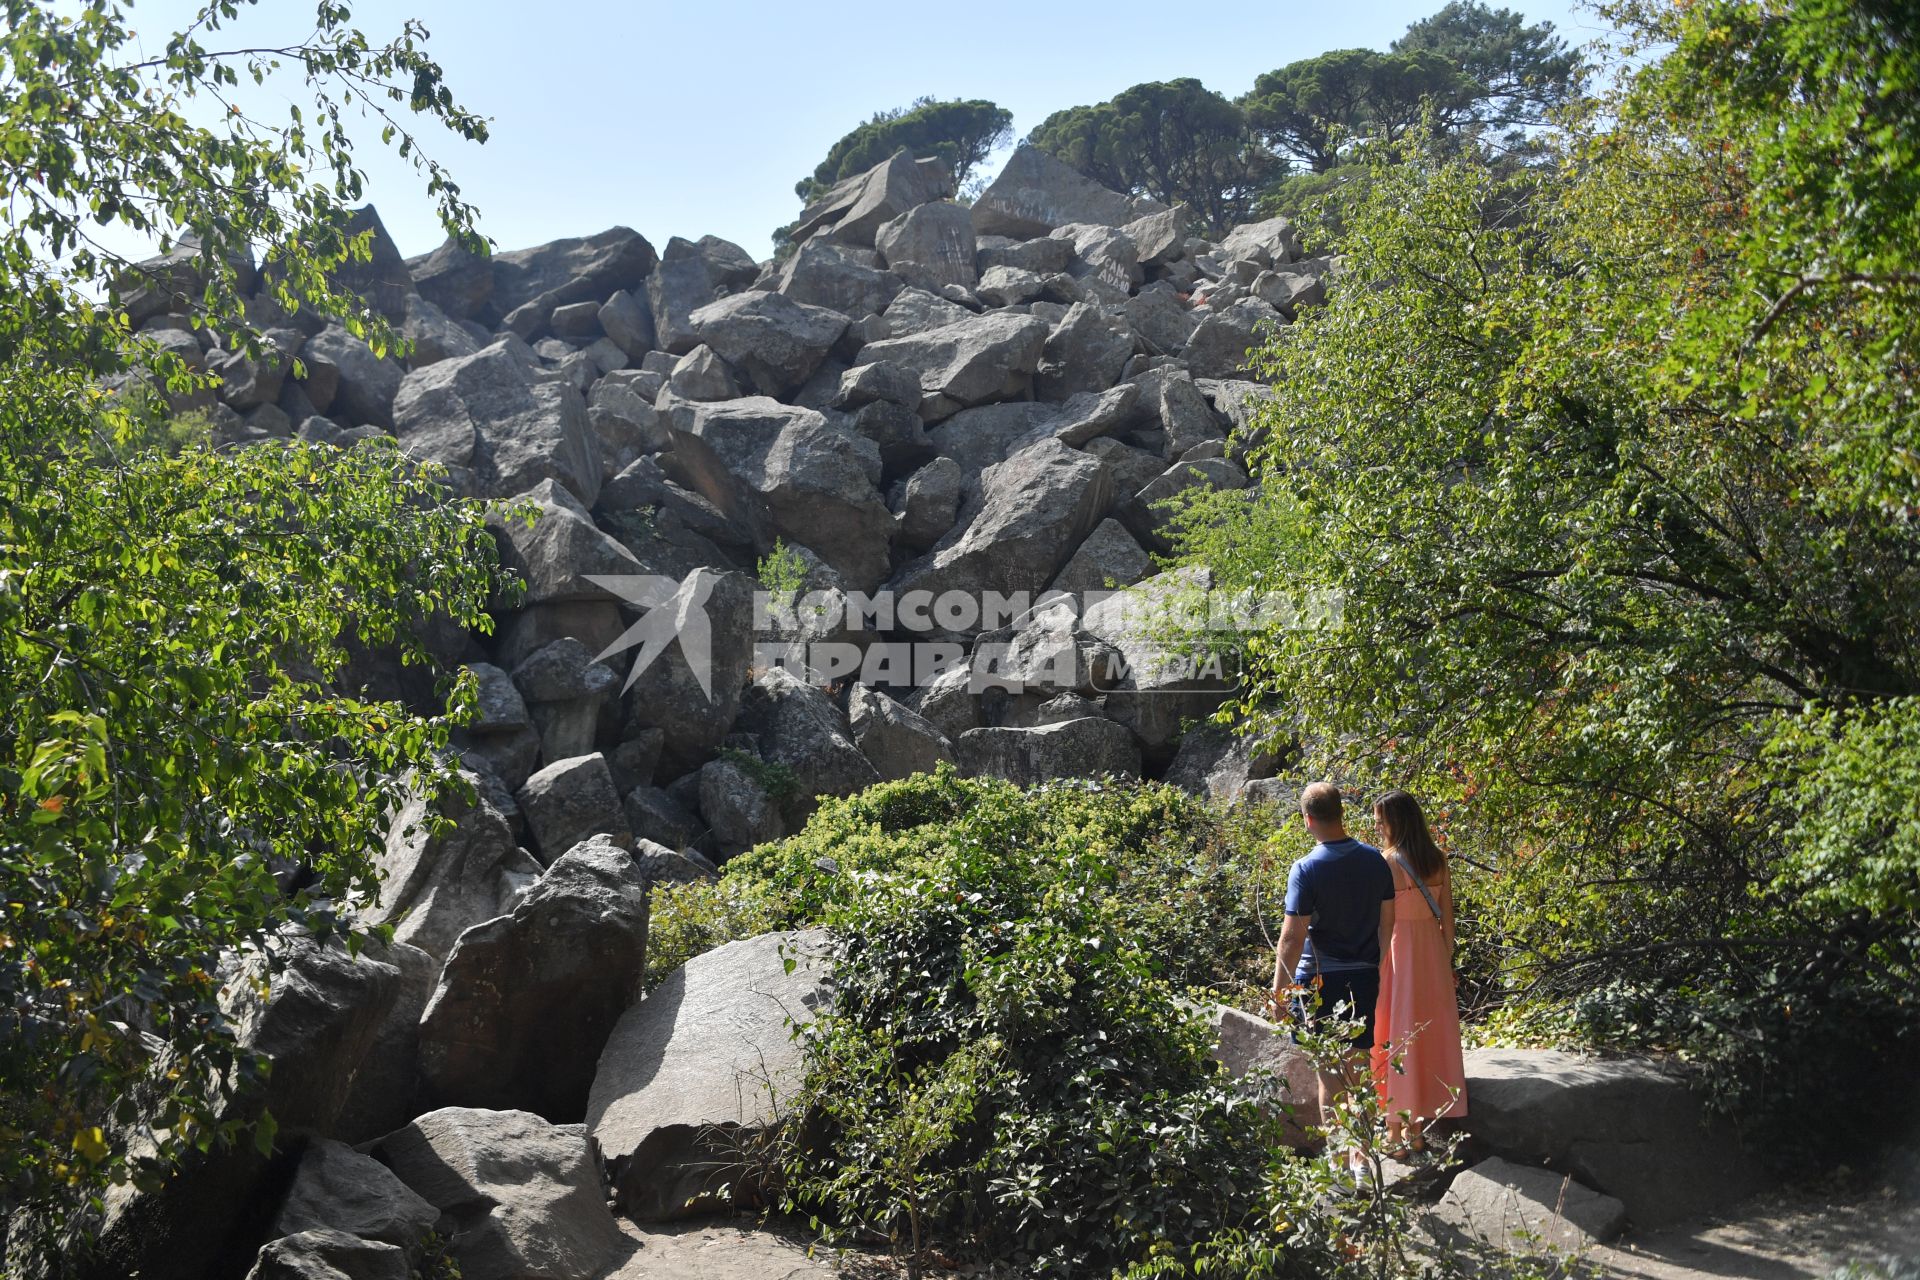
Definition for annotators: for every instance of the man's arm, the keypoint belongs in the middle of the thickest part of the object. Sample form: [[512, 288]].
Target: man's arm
[[1286, 956]]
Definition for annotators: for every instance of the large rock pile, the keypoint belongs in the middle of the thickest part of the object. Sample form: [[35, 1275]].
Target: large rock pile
[[923, 397]]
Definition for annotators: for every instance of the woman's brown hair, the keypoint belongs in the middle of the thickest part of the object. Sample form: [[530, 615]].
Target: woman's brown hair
[[1403, 828]]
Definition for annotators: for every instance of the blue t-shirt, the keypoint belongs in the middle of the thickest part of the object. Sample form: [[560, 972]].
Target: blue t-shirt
[[1341, 886]]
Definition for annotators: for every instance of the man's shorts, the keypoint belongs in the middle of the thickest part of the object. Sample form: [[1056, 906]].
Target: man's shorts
[[1358, 989]]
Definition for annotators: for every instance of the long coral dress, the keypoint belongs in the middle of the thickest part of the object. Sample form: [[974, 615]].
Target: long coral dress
[[1417, 1062]]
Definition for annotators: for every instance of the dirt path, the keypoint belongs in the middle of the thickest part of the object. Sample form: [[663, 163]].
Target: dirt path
[[1778, 1236]]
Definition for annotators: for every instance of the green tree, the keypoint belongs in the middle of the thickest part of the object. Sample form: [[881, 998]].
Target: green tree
[[177, 721], [1520, 71], [1309, 110], [1176, 140], [1611, 464], [963, 133]]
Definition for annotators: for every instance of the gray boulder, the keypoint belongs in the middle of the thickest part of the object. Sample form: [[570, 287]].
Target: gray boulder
[[787, 471], [702, 375], [585, 269], [1271, 243], [691, 274], [1086, 352], [708, 1054], [1163, 688], [1248, 1046], [1107, 560], [773, 340], [454, 279], [495, 426], [1161, 237], [660, 820], [625, 425], [386, 1088], [1160, 320], [915, 311], [526, 1001], [979, 437], [982, 358], [1182, 409], [560, 550], [738, 810], [1036, 508], [854, 209], [365, 383], [1518, 1207], [1102, 253], [565, 690], [929, 499], [1628, 1127], [570, 800], [626, 320], [326, 1254], [1218, 347], [931, 244], [383, 279], [896, 740], [522, 1197], [712, 614], [877, 382], [1217, 763], [1035, 193], [1083, 748], [1010, 287], [1089, 414], [839, 277], [433, 334], [1042, 256], [338, 1188], [800, 728], [435, 885]]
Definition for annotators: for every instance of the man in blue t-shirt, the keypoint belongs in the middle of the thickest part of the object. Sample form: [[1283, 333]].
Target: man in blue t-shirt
[[1339, 922]]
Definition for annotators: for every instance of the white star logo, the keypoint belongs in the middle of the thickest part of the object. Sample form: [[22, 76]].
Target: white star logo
[[671, 610]]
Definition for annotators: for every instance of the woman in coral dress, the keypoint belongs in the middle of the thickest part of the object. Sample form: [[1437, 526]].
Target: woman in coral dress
[[1417, 1063]]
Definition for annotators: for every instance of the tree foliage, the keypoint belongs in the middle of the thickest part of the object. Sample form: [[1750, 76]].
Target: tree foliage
[[1611, 463], [1520, 72], [1309, 110], [963, 133], [187, 764], [1174, 140]]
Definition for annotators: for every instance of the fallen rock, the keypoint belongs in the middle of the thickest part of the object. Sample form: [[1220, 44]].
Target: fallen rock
[[1085, 352], [386, 1089], [854, 209], [570, 800], [800, 729], [839, 277], [1517, 1207], [329, 1255], [1245, 1044], [773, 340], [786, 470], [1035, 193], [1217, 763], [914, 311], [931, 244], [981, 358], [498, 429], [522, 1196], [433, 887], [739, 812], [712, 618], [1036, 508], [1628, 1127], [526, 1001], [1271, 243], [336, 1188], [1218, 347], [1108, 560], [585, 269], [929, 499], [1102, 253], [365, 384], [454, 279], [706, 1058], [1083, 748], [896, 740], [561, 551]]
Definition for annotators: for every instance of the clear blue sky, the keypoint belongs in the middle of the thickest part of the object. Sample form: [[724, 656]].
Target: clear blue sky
[[691, 118]]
